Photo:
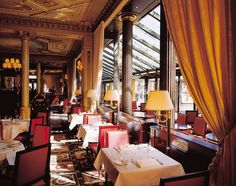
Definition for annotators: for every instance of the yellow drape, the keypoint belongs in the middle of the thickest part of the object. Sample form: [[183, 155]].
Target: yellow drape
[[98, 58], [201, 31]]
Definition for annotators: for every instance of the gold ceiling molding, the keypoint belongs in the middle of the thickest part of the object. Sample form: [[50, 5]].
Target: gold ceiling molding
[[40, 23], [127, 16]]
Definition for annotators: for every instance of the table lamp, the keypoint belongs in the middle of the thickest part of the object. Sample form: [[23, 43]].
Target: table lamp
[[160, 101], [112, 95]]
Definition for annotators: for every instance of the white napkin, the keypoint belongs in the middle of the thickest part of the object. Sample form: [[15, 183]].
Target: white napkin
[[11, 156], [147, 163]]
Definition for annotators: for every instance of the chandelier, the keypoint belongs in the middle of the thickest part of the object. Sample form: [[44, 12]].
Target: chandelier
[[12, 64]]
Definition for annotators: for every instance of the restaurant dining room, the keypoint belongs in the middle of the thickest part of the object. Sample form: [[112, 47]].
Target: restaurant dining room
[[117, 93]]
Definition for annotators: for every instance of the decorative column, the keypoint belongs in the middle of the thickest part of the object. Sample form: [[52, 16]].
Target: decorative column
[[39, 78], [128, 19], [133, 90], [25, 109], [167, 67]]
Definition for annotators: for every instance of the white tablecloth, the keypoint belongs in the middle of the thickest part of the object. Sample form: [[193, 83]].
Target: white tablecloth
[[76, 119], [138, 167], [11, 128], [89, 132], [8, 149]]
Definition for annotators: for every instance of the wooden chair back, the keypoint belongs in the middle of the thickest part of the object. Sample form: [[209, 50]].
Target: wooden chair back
[[194, 179]]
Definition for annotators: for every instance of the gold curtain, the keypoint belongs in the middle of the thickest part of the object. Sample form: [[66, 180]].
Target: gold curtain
[[98, 58], [201, 31]]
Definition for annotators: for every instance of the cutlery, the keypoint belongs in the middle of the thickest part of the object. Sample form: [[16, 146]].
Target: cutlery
[[135, 163], [159, 162], [117, 150]]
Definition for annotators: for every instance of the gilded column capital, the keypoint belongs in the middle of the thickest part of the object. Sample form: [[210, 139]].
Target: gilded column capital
[[24, 35], [127, 16]]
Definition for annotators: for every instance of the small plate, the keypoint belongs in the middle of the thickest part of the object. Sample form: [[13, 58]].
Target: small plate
[[121, 162]]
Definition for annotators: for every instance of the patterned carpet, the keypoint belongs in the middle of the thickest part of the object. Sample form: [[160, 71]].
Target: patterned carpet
[[70, 163]]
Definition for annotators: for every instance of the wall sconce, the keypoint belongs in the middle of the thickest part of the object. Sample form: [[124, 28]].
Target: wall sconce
[[78, 92], [79, 65], [12, 64], [92, 94], [160, 101]]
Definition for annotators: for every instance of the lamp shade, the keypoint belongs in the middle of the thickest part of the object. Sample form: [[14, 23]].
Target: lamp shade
[[78, 92], [111, 95], [159, 100], [92, 93]]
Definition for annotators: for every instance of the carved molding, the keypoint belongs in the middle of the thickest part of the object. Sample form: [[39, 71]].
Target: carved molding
[[110, 6], [41, 23], [127, 16]]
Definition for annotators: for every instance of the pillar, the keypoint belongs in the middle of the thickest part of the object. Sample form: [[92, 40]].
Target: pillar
[[127, 62], [133, 90], [25, 109], [86, 74], [167, 68]]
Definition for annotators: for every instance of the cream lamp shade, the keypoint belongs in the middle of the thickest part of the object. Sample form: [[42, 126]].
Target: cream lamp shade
[[78, 92], [111, 95], [92, 93], [159, 100]]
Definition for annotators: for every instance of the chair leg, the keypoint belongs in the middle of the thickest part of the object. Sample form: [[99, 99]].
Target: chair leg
[[106, 179]]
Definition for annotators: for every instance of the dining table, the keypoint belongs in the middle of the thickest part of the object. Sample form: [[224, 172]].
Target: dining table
[[89, 132], [212, 137], [12, 127], [8, 150], [179, 126], [137, 165]]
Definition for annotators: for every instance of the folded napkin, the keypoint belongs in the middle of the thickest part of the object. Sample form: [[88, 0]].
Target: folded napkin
[[147, 163]]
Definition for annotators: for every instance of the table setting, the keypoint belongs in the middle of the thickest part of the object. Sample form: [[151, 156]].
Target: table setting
[[136, 165], [12, 127], [8, 150]]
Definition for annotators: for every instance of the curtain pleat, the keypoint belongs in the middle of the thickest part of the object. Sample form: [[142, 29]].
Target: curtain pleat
[[98, 58], [202, 35]]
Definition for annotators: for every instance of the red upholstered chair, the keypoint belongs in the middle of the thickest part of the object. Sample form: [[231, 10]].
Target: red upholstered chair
[[134, 105], [32, 165], [142, 107], [66, 102], [85, 119], [45, 117], [101, 137], [92, 118], [191, 114], [25, 137], [33, 123], [116, 138], [192, 179], [41, 135], [75, 109], [150, 112], [181, 118], [199, 126]]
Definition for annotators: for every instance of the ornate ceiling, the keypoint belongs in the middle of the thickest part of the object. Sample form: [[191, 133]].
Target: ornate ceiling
[[56, 27]]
